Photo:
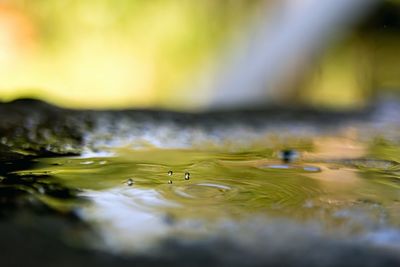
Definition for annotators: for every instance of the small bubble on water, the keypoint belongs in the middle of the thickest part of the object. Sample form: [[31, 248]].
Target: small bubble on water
[[288, 155], [170, 173], [187, 176], [170, 181], [129, 182]]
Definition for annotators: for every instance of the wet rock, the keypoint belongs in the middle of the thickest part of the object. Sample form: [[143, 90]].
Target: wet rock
[[40, 129]]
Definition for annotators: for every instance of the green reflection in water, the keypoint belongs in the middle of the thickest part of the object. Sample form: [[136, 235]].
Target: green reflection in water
[[131, 200], [226, 185]]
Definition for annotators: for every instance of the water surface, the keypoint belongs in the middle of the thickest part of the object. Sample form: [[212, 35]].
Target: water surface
[[135, 203]]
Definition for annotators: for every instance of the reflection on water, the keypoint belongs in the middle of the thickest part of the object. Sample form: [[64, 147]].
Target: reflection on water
[[140, 197]]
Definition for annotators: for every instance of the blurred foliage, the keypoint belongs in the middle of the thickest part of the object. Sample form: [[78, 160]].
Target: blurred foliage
[[122, 53], [104, 53]]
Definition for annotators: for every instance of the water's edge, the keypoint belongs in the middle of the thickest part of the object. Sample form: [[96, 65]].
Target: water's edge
[[32, 130]]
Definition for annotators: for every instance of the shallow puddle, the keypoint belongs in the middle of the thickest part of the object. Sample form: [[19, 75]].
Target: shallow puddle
[[138, 198]]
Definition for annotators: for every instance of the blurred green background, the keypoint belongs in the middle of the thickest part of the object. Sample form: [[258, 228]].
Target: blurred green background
[[137, 53]]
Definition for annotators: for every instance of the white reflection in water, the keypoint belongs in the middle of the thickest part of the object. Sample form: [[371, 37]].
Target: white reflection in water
[[384, 237], [132, 220], [128, 218]]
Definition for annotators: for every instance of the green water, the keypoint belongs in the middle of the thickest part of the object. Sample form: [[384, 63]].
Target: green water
[[131, 198]]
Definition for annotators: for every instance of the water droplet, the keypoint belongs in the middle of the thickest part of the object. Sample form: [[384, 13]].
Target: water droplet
[[288, 155], [187, 176], [170, 173], [129, 182], [169, 181]]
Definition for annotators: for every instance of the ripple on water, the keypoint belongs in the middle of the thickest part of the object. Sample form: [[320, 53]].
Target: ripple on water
[[204, 191], [247, 185], [306, 168]]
